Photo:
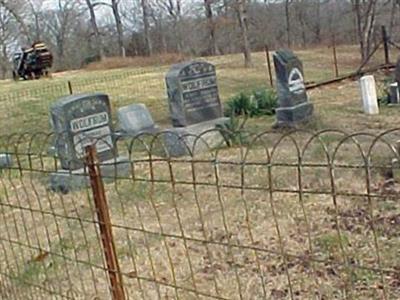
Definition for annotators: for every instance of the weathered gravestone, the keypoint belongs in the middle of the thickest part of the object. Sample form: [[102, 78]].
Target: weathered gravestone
[[294, 105], [195, 108], [135, 119], [394, 96], [368, 95], [193, 93], [79, 121], [394, 87]]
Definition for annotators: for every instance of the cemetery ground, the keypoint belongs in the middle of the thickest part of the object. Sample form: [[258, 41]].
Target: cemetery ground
[[26, 110], [216, 229]]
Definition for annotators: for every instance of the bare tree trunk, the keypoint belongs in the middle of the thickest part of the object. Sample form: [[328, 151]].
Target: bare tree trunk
[[147, 39], [212, 46], [392, 17], [318, 23], [178, 26], [243, 23], [365, 21], [97, 36], [287, 17], [4, 62], [118, 22]]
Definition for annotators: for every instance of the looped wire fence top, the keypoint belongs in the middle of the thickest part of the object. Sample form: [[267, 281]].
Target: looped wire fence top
[[298, 215]]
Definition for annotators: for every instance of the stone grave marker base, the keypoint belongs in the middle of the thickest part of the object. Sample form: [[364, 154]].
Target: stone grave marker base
[[181, 141], [290, 116], [65, 181]]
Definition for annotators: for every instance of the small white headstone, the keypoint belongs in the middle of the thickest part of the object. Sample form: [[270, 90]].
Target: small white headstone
[[368, 94]]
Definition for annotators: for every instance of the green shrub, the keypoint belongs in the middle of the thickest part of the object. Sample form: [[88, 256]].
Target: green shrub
[[384, 90], [232, 131], [266, 102], [258, 102], [239, 105]]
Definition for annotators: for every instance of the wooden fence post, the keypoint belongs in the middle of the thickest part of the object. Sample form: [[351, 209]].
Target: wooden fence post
[[103, 216]]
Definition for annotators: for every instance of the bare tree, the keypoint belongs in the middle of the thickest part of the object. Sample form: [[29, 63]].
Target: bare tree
[[365, 16], [146, 26], [287, 18], [59, 24], [7, 31], [241, 10], [118, 22], [212, 46], [35, 9], [95, 28], [174, 10], [14, 8]]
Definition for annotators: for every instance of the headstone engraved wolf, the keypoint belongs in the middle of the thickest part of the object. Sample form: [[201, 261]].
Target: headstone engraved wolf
[[78, 121]]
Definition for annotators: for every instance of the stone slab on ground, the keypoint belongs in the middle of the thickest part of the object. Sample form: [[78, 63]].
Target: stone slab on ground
[[193, 139], [65, 181]]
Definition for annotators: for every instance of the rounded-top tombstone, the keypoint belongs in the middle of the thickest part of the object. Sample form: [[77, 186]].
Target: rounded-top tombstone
[[80, 120], [293, 101], [193, 93]]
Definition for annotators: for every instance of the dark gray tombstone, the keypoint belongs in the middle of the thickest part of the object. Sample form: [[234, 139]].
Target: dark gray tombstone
[[135, 119], [394, 97], [294, 105], [193, 93], [6, 161], [397, 72], [78, 121], [195, 108]]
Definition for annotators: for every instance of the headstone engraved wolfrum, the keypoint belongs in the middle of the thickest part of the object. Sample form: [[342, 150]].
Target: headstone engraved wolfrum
[[78, 121], [193, 93], [195, 108]]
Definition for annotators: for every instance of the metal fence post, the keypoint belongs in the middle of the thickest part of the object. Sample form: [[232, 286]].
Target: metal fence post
[[70, 87], [103, 215], [335, 62], [271, 81], [385, 40]]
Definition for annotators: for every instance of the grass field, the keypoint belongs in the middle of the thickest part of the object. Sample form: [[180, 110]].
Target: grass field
[[229, 224]]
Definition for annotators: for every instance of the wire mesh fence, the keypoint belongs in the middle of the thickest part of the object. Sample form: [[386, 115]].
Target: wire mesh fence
[[295, 215]]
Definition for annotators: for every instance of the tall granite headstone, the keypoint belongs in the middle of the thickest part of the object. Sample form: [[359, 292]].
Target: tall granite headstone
[[195, 108], [294, 105], [78, 121], [193, 93]]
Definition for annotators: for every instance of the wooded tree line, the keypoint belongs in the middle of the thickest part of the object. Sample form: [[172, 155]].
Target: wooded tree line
[[79, 31]]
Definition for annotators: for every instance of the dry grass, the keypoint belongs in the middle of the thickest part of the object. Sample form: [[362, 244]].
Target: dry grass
[[26, 104], [214, 239], [227, 239], [133, 62]]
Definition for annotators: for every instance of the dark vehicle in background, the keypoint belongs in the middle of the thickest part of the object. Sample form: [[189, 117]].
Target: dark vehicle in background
[[32, 63]]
